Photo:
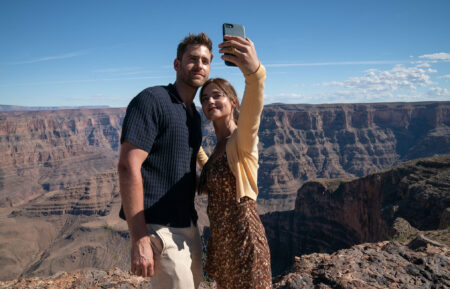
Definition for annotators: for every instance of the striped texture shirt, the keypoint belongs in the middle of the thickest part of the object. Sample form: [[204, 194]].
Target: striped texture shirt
[[158, 122]]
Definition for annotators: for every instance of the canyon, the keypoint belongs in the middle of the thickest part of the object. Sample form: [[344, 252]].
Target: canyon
[[320, 182], [333, 214], [52, 149]]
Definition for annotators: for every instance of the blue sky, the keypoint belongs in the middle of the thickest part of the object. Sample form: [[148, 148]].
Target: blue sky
[[98, 52]]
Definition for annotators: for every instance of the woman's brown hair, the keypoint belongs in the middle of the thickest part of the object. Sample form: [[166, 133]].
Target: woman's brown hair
[[228, 90]]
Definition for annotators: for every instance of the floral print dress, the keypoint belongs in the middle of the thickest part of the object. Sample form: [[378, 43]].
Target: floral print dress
[[238, 254]]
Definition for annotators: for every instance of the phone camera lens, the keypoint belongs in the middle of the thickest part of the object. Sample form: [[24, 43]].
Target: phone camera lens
[[229, 25]]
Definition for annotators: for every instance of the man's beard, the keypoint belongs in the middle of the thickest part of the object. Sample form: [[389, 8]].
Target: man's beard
[[194, 83]]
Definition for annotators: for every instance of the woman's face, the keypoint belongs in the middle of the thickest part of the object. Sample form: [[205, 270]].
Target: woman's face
[[215, 103]]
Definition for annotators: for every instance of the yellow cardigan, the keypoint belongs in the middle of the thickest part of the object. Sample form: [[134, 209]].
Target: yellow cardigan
[[242, 147]]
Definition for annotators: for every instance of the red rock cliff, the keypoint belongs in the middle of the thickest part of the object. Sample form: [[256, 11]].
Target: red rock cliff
[[47, 150], [303, 142]]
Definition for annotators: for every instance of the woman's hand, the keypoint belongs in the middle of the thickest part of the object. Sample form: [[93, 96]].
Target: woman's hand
[[241, 52]]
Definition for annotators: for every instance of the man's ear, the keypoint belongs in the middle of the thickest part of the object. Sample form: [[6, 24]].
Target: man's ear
[[176, 64]]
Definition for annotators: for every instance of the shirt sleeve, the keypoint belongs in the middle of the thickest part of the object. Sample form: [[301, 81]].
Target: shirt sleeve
[[140, 125]]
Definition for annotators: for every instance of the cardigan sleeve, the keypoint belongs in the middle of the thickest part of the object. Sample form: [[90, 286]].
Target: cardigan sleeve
[[202, 158], [242, 147], [251, 109]]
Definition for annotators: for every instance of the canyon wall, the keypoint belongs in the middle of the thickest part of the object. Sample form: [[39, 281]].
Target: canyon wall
[[303, 142], [336, 214], [45, 151], [53, 149]]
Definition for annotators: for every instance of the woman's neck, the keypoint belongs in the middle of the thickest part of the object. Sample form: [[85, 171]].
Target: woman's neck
[[224, 129]]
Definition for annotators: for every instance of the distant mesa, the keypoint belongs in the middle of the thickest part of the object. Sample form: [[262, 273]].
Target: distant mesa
[[5, 108]]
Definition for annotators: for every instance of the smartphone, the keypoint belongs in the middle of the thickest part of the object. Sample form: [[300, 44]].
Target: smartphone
[[234, 30]]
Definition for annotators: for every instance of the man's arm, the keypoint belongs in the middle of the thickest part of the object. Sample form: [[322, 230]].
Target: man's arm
[[132, 195]]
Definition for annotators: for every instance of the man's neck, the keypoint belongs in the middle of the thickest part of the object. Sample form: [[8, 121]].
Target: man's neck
[[186, 92]]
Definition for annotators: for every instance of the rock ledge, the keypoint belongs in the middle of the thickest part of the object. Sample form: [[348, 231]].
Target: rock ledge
[[373, 265]]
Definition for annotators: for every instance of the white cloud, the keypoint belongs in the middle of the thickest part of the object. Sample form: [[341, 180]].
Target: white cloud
[[400, 83], [379, 81], [98, 97], [55, 57], [438, 92], [423, 64], [369, 62], [117, 69], [290, 95], [82, 80], [284, 97], [366, 96], [442, 56], [397, 84]]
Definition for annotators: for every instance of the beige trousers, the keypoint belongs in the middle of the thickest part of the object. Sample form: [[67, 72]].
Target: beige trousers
[[177, 255]]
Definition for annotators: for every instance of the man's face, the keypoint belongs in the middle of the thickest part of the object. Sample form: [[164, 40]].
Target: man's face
[[193, 69]]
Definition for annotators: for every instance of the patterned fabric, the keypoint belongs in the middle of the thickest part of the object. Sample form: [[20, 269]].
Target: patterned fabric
[[158, 122], [238, 254]]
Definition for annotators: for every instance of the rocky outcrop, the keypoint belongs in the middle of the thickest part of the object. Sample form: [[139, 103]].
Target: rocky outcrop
[[335, 214], [380, 265], [420, 264], [54, 149], [82, 279], [88, 279]]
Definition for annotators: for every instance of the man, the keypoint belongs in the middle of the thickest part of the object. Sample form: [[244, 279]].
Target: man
[[161, 136]]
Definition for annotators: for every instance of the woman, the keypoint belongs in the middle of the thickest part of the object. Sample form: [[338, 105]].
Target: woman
[[238, 253]]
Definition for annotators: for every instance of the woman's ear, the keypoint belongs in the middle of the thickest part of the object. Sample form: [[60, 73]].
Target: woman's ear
[[234, 103]]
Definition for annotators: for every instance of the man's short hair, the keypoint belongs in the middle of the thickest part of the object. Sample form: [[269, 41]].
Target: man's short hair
[[192, 39]]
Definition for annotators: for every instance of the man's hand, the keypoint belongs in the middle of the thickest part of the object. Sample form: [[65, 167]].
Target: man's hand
[[142, 263], [132, 195]]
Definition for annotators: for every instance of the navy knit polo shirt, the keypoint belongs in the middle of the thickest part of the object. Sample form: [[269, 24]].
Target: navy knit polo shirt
[[157, 121]]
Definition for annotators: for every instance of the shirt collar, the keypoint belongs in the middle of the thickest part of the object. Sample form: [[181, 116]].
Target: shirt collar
[[176, 97], [174, 93]]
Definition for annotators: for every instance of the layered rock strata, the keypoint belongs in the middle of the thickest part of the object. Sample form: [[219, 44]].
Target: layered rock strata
[[74, 228], [303, 142], [45, 151], [91, 197], [55, 149]]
